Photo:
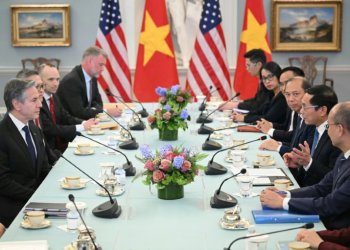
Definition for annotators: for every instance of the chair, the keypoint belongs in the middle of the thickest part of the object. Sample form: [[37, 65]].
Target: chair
[[36, 62], [311, 66]]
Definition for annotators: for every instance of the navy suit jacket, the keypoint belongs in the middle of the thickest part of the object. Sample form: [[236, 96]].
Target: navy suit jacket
[[330, 198], [18, 177], [281, 133], [73, 96]]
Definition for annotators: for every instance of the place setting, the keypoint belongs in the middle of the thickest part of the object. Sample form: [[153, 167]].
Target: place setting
[[95, 130], [35, 220], [113, 187], [84, 149], [73, 183], [264, 160], [233, 221]]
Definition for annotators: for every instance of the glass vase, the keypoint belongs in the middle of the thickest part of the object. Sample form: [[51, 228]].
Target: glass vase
[[171, 192], [167, 134]]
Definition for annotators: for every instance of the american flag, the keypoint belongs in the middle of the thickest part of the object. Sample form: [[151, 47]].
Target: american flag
[[110, 37], [208, 65]]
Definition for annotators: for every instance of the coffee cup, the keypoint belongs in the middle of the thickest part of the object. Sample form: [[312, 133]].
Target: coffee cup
[[72, 181], [110, 184], [84, 148], [264, 159], [245, 184], [35, 218], [236, 142], [298, 245], [237, 157], [231, 216], [282, 184], [95, 129], [107, 169], [102, 116]]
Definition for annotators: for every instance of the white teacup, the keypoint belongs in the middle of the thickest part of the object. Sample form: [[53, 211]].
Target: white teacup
[[238, 157], [258, 243], [107, 169], [110, 184], [245, 184], [72, 181], [236, 142], [35, 218], [84, 148], [102, 116], [264, 159], [282, 184], [95, 129]]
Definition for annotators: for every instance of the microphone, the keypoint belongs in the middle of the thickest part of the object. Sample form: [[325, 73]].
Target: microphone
[[139, 125], [203, 104], [214, 168], [72, 199], [130, 144], [306, 226], [222, 199], [128, 167], [204, 130], [108, 209], [213, 145]]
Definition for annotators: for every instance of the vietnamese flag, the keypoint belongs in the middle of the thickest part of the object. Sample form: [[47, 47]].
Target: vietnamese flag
[[155, 65], [254, 36]]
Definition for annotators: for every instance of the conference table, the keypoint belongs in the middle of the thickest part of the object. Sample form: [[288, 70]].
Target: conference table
[[146, 222]]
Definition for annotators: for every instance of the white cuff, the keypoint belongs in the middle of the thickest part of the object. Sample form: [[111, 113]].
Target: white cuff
[[270, 132]]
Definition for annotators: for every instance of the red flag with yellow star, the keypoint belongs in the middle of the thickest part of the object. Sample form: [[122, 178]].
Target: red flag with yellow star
[[254, 36], [155, 65]]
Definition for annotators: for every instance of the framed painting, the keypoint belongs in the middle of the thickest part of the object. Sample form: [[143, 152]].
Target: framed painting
[[306, 25], [41, 25]]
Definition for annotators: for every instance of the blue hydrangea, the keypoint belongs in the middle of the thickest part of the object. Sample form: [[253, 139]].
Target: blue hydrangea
[[161, 91], [165, 148], [184, 114], [178, 161], [174, 89], [146, 151], [167, 107]]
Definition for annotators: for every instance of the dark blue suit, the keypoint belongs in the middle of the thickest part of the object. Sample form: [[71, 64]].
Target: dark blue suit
[[330, 198]]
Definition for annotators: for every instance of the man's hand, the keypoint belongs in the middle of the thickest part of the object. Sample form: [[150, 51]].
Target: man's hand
[[270, 198], [88, 123], [238, 117], [115, 112], [2, 229], [264, 125], [290, 160], [302, 156], [269, 144], [309, 236]]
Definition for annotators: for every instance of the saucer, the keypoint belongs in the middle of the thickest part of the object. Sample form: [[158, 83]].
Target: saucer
[[65, 186], [216, 136], [44, 224], [239, 225], [77, 152], [229, 159], [117, 192], [89, 132], [269, 164]]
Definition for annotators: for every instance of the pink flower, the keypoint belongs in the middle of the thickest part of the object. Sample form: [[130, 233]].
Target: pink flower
[[183, 154], [169, 155], [179, 98], [149, 165], [151, 119], [167, 115], [157, 110], [158, 176], [162, 99], [165, 164], [186, 166]]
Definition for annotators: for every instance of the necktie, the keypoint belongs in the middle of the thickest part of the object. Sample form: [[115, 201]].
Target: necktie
[[30, 144], [90, 93], [52, 109], [314, 143]]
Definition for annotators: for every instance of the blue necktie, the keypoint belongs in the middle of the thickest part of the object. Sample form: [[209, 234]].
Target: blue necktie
[[30, 144], [314, 143]]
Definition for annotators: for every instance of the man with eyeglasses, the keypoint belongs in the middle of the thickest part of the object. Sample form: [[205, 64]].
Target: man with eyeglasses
[[330, 197], [314, 161], [255, 59]]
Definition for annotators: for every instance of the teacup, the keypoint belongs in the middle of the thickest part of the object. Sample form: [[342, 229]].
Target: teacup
[[110, 184], [35, 218], [72, 181], [282, 184], [236, 142], [298, 245], [259, 242], [237, 157], [95, 129], [107, 169], [264, 159], [102, 116], [84, 148], [245, 184], [231, 216]]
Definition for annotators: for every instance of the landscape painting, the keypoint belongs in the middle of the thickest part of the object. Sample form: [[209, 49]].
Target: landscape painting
[[306, 25]]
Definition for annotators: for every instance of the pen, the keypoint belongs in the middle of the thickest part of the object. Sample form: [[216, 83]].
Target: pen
[[281, 192]]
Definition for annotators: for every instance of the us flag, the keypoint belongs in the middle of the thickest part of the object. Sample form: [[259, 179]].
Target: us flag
[[110, 37], [208, 65]]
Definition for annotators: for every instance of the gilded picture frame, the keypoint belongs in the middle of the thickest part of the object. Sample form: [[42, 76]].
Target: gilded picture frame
[[306, 25], [40, 25]]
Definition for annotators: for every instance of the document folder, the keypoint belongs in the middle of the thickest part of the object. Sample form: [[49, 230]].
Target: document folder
[[50, 209], [282, 216]]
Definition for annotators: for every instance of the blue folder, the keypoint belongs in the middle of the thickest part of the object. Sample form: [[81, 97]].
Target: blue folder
[[282, 216]]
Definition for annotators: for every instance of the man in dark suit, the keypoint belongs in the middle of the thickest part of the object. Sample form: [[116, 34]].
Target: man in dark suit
[[330, 197], [23, 160], [58, 125], [314, 162], [78, 90]]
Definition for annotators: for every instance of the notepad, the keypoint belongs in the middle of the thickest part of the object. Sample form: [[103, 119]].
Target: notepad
[[50, 209], [267, 176], [28, 245], [273, 216]]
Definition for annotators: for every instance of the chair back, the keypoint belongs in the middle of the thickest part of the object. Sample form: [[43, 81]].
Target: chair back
[[34, 63]]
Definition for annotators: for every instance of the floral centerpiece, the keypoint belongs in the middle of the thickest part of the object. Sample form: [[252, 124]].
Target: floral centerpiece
[[172, 115], [170, 168]]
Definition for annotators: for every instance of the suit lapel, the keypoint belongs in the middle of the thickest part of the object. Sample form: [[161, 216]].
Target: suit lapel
[[321, 143], [82, 78], [344, 171]]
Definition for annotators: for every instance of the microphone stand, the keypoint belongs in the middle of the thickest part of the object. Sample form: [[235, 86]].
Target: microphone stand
[[306, 226], [222, 199], [138, 126], [214, 168], [72, 199], [213, 145], [128, 167], [130, 144], [109, 209], [203, 104]]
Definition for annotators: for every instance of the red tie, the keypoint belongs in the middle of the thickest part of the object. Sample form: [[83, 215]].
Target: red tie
[[52, 109]]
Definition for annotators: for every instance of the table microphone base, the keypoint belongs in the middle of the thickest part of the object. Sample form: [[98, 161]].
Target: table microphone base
[[205, 130], [222, 200], [138, 126], [143, 113], [211, 145], [107, 210], [130, 170], [131, 144], [215, 169], [204, 119]]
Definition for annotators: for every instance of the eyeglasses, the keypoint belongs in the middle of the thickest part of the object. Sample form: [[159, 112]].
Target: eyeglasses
[[332, 124], [303, 106], [294, 94], [40, 86], [267, 78]]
